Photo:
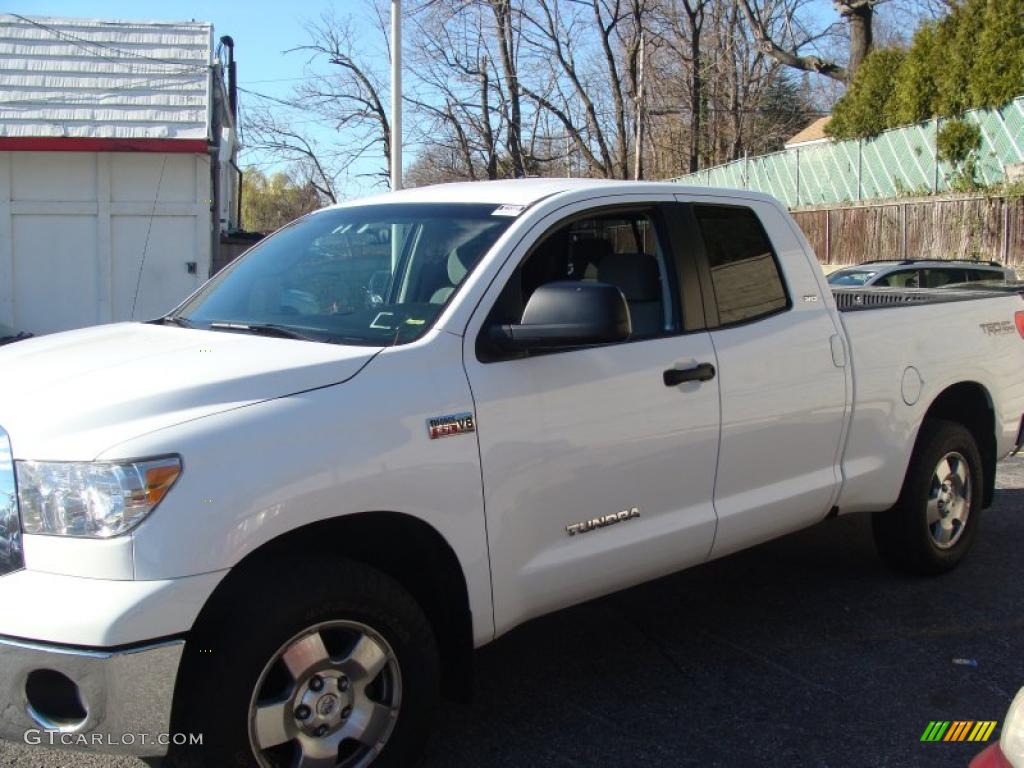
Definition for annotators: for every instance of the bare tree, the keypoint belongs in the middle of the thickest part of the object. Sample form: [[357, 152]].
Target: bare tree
[[589, 92], [267, 131], [784, 39], [348, 96], [457, 85], [351, 97], [506, 21], [506, 88], [681, 28]]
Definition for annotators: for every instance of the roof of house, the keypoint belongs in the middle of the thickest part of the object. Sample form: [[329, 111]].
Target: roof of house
[[93, 79], [813, 132]]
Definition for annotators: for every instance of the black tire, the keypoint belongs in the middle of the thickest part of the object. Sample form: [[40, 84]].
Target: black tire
[[227, 654], [902, 533]]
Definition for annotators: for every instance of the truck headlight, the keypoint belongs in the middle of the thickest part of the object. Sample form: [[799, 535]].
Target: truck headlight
[[96, 500], [1012, 740]]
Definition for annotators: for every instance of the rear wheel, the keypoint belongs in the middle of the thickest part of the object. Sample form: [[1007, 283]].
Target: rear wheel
[[333, 665], [934, 523]]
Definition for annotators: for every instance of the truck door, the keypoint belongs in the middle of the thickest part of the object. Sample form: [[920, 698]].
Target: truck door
[[598, 469], [781, 374]]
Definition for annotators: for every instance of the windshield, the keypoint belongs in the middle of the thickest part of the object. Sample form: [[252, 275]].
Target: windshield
[[850, 277], [375, 274]]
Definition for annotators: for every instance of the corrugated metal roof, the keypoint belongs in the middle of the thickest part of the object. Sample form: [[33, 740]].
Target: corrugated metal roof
[[104, 79]]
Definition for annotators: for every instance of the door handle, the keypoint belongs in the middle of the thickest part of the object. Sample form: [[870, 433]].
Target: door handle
[[676, 376]]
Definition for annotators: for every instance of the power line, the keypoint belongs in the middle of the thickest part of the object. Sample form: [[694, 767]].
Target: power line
[[149, 229], [108, 92], [275, 99], [276, 80]]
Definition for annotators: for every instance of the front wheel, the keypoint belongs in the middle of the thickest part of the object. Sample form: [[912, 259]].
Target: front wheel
[[935, 520], [325, 665]]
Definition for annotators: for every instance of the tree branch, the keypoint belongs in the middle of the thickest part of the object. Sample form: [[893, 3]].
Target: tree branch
[[789, 57]]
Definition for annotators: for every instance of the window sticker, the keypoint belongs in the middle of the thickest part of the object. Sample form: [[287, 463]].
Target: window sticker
[[508, 210]]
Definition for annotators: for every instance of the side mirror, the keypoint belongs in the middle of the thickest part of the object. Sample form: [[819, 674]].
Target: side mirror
[[568, 314]]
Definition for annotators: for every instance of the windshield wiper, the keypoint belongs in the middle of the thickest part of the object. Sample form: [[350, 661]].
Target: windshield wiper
[[263, 329], [177, 320]]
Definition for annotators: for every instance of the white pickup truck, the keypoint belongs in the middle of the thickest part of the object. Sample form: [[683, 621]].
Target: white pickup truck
[[279, 519]]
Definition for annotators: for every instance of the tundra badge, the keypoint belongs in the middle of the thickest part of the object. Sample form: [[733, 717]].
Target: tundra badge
[[600, 522], [446, 426]]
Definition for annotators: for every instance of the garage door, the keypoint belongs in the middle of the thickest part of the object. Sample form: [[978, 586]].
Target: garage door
[[89, 238]]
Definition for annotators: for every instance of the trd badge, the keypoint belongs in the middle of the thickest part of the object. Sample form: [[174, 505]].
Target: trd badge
[[446, 426]]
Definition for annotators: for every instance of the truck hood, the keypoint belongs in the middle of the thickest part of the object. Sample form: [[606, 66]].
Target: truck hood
[[70, 396]]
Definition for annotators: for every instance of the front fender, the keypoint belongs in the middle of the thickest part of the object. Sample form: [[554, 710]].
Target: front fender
[[255, 473]]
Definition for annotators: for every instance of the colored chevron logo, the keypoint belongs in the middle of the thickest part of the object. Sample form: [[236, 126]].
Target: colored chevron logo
[[959, 730]]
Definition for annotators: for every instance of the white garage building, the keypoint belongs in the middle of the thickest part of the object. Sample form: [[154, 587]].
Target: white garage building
[[117, 173]]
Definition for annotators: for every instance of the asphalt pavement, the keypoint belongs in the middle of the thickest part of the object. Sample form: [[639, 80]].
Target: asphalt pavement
[[802, 652]]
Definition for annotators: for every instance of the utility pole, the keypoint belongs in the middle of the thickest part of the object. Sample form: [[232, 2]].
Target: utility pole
[[396, 124], [638, 171], [396, 95]]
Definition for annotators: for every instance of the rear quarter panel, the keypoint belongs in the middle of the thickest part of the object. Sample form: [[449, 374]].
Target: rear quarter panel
[[947, 344]]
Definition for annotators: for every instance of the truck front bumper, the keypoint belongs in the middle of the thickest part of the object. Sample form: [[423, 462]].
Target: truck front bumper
[[77, 666], [116, 701]]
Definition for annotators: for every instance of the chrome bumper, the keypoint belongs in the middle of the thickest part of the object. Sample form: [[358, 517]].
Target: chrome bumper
[[126, 696]]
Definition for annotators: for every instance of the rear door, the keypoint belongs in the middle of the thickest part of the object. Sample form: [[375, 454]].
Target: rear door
[[781, 374], [581, 435]]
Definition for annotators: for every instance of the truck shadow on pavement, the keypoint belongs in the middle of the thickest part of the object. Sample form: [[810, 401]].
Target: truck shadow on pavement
[[805, 651]]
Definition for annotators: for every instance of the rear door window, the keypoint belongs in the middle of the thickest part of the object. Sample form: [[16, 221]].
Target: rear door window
[[745, 275]]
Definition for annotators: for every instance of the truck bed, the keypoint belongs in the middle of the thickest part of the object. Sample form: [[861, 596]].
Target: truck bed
[[902, 361]]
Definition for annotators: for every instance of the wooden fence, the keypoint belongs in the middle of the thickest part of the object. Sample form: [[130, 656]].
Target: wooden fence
[[962, 227], [231, 247]]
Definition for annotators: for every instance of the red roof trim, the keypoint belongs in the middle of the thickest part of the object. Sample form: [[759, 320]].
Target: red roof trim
[[88, 144]]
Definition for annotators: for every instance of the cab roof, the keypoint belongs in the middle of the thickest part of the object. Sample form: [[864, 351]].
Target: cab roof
[[525, 192]]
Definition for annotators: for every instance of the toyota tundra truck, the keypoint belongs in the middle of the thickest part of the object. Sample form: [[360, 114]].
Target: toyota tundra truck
[[270, 527]]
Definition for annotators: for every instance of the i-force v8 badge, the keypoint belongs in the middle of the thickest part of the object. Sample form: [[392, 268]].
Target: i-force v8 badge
[[446, 426]]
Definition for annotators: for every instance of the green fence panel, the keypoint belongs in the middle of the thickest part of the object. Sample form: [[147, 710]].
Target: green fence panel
[[900, 161]]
